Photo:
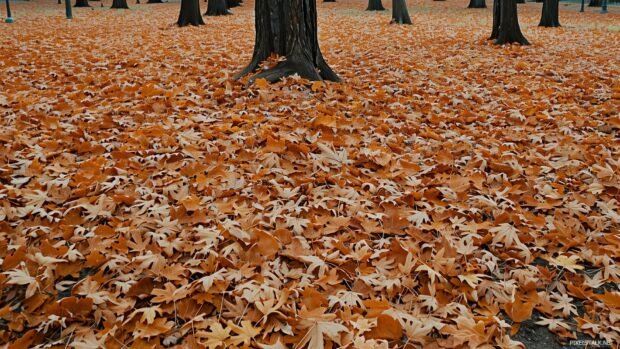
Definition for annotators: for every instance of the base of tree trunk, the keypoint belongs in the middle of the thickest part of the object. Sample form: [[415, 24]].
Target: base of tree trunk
[[477, 4], [375, 5], [217, 8], [288, 28], [509, 30], [400, 13], [121, 4], [190, 13], [81, 3], [550, 14]]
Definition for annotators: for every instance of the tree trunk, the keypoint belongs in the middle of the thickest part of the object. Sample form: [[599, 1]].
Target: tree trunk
[[120, 4], [477, 4], [375, 5], [217, 8], [509, 30], [81, 3], [68, 9], [233, 3], [288, 28], [594, 3], [155, 2], [400, 14], [190, 13], [497, 18], [550, 14], [9, 16]]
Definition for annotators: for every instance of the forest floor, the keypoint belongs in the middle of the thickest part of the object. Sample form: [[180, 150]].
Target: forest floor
[[447, 193]]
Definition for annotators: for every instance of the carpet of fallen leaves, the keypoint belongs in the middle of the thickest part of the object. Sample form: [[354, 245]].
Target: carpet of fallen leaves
[[447, 191]]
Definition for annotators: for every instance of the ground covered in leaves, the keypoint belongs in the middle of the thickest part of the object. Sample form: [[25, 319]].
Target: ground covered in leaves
[[447, 193]]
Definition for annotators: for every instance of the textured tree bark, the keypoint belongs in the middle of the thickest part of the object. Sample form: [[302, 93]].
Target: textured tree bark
[[190, 13], [400, 14], [509, 30], [497, 18], [550, 14], [233, 3], [68, 9], [81, 3], [217, 8], [120, 4], [477, 4], [375, 5], [288, 28]]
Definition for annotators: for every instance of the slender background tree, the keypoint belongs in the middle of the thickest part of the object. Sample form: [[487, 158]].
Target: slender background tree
[[68, 9], [9, 16]]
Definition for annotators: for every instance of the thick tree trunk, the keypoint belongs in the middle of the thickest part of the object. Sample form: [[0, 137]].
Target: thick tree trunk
[[497, 18], [550, 14], [217, 8], [233, 3], [509, 30], [594, 3], [477, 4], [375, 5], [120, 4], [288, 28], [400, 14], [81, 3], [190, 13]]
